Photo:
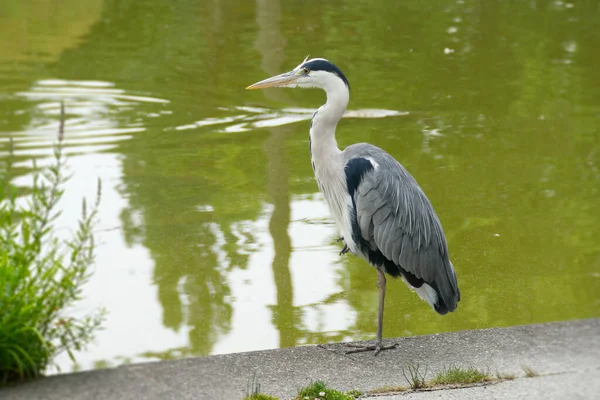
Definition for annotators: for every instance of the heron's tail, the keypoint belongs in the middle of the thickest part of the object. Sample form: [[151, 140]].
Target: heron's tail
[[448, 293]]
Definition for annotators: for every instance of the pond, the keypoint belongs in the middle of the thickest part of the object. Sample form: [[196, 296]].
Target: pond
[[213, 237]]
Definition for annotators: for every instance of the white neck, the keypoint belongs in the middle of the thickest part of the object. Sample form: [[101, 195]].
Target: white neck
[[327, 157], [322, 129]]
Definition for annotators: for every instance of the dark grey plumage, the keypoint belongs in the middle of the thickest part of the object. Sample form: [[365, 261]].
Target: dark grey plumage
[[395, 218]]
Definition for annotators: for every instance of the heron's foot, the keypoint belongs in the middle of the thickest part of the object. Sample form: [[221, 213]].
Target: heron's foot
[[344, 250], [376, 348], [340, 239]]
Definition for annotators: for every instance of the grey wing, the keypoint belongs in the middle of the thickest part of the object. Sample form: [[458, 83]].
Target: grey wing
[[395, 218]]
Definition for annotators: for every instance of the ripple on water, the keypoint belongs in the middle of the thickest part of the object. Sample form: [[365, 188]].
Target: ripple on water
[[95, 121], [256, 118]]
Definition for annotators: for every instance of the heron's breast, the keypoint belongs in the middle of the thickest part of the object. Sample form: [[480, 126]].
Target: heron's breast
[[340, 205]]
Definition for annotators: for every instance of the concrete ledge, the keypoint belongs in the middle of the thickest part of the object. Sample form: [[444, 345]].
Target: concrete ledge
[[568, 348]]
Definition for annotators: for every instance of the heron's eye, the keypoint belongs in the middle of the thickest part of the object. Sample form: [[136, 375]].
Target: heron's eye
[[305, 71]]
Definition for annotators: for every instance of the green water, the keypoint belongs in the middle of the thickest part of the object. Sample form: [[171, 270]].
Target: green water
[[213, 237]]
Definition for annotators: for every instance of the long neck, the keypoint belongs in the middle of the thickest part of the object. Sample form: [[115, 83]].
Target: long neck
[[323, 146]]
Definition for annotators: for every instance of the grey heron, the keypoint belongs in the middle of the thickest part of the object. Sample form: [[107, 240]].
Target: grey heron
[[382, 214]]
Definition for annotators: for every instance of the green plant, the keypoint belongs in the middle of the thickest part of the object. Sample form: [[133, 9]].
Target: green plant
[[388, 389], [253, 390], [414, 377], [354, 393], [530, 373], [40, 275], [260, 396], [502, 376], [318, 390], [457, 375]]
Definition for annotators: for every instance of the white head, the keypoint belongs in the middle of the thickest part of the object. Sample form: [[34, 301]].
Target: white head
[[313, 73]]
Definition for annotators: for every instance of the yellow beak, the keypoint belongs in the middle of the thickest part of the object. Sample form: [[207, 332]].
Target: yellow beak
[[275, 81]]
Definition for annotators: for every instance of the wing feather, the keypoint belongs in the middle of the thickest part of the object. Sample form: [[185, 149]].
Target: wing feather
[[396, 218], [397, 249]]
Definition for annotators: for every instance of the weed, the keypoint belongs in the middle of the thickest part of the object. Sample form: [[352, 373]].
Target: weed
[[530, 373], [389, 389], [501, 376], [414, 377], [40, 275], [318, 390], [354, 393], [253, 391], [260, 396], [457, 375]]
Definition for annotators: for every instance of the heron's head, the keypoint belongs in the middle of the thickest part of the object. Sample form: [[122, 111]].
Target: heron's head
[[313, 73]]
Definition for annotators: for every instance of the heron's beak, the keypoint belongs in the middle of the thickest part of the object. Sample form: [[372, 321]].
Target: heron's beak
[[275, 81]]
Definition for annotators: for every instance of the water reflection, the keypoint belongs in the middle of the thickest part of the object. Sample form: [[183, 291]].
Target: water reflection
[[270, 43], [213, 238], [256, 118]]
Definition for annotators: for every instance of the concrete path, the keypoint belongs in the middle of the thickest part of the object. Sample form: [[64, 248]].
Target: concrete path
[[566, 355]]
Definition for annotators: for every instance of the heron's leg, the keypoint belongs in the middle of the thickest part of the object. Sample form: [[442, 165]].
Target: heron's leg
[[378, 342], [381, 283]]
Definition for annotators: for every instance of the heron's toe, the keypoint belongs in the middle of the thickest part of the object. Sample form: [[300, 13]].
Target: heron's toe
[[344, 250], [376, 348]]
